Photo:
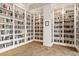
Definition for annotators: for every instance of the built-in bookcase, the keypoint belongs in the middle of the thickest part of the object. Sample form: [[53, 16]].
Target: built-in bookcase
[[12, 26], [6, 25], [64, 25], [69, 24], [39, 27], [19, 25], [58, 27], [29, 26], [77, 25]]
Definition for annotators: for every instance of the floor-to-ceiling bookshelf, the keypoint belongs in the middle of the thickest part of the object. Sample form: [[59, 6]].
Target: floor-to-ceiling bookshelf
[[29, 26], [32, 26], [36, 27], [77, 25], [6, 25], [39, 27], [64, 25], [69, 24], [19, 25], [58, 25], [12, 26]]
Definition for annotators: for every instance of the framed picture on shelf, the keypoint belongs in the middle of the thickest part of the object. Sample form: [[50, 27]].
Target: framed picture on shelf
[[46, 23]]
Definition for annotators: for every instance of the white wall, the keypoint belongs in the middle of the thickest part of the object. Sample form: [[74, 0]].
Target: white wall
[[48, 14]]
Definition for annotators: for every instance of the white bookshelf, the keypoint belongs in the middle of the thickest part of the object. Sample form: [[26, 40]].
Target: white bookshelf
[[29, 26], [12, 26], [68, 16], [58, 27], [77, 26], [38, 27], [32, 27], [6, 25], [69, 24], [19, 27]]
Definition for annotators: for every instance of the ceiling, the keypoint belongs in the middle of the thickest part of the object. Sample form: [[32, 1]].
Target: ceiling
[[34, 5]]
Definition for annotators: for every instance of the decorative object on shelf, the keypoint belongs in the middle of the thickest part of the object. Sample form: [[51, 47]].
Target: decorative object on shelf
[[0, 10], [5, 6], [46, 23]]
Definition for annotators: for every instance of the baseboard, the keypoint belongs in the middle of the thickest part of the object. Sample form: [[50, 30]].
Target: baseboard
[[77, 48], [37, 40], [48, 45], [64, 44]]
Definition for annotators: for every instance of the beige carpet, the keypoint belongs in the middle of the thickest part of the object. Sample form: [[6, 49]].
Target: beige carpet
[[36, 49]]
